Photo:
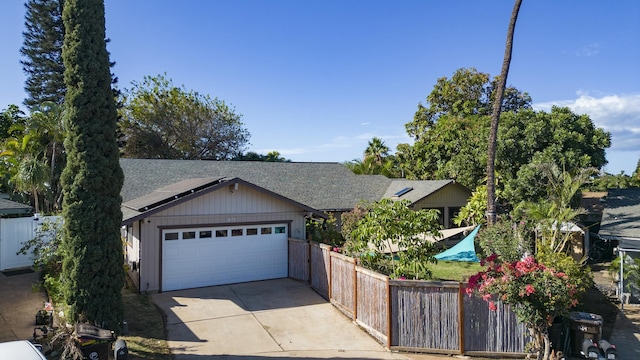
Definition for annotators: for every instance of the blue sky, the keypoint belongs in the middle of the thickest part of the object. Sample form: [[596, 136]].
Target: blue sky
[[315, 80]]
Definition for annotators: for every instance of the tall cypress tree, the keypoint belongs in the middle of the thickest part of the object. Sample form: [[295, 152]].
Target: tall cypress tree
[[42, 49], [93, 272]]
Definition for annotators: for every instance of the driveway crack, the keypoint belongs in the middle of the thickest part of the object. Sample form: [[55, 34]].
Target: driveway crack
[[265, 328]]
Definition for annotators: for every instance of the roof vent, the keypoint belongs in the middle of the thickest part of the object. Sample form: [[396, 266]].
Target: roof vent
[[403, 191]]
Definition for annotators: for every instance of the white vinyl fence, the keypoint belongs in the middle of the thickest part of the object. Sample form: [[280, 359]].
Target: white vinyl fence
[[13, 233]]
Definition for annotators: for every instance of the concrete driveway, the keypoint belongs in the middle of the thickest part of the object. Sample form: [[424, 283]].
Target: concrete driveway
[[19, 304], [267, 319]]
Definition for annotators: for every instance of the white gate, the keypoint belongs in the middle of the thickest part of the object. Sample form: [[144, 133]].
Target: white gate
[[13, 233]]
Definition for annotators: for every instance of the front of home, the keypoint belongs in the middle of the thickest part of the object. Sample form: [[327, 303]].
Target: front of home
[[196, 223]]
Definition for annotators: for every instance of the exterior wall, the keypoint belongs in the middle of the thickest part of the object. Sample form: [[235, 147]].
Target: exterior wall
[[451, 196], [218, 208], [132, 251]]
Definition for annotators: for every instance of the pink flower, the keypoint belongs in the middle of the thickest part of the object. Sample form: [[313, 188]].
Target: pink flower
[[492, 306], [529, 289]]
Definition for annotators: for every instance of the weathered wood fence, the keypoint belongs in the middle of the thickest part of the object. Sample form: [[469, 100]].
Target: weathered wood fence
[[408, 315]]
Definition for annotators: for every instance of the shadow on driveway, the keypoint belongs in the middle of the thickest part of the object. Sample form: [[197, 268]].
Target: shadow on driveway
[[280, 318]]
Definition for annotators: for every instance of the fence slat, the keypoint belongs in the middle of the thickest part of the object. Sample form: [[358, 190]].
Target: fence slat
[[417, 316], [372, 305], [299, 259], [342, 283]]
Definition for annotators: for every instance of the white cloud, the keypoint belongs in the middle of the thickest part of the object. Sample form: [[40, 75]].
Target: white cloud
[[589, 50], [339, 148], [618, 114]]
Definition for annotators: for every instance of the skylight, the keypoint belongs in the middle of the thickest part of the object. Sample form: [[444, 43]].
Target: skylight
[[403, 191]]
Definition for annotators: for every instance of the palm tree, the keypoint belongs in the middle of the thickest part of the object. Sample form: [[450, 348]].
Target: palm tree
[[32, 176], [47, 124], [495, 117], [24, 167], [377, 150]]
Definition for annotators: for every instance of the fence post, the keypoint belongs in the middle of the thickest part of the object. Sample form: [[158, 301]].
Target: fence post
[[461, 316], [309, 262], [355, 289], [329, 275], [388, 314]]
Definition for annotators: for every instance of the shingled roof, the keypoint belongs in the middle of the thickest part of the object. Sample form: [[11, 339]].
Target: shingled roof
[[322, 186], [8, 207], [621, 214]]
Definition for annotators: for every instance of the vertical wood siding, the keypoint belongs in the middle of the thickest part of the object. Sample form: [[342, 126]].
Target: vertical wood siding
[[299, 259], [221, 207], [342, 283], [426, 315], [320, 264], [372, 303]]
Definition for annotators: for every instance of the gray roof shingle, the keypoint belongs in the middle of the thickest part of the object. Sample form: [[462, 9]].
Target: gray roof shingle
[[11, 207], [621, 214], [323, 186]]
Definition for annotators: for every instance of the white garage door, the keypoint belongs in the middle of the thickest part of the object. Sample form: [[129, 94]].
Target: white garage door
[[200, 257]]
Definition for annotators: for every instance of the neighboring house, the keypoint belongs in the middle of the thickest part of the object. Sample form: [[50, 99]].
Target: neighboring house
[[10, 208], [621, 224], [621, 215], [194, 223]]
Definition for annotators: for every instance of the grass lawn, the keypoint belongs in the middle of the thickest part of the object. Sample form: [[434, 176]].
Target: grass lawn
[[454, 270], [146, 338]]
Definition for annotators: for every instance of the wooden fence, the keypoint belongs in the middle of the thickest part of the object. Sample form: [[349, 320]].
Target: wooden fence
[[407, 315]]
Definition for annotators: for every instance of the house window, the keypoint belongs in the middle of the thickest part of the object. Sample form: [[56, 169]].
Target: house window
[[187, 235], [265, 231], [236, 232], [222, 233], [280, 230], [205, 234], [252, 231], [453, 212], [171, 236]]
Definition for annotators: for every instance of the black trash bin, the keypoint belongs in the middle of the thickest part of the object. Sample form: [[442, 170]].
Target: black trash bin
[[557, 332], [584, 326], [94, 342]]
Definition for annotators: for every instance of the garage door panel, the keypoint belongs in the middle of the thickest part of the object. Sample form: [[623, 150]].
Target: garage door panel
[[229, 259]]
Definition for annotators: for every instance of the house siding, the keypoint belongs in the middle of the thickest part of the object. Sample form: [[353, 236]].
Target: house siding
[[451, 196], [218, 208]]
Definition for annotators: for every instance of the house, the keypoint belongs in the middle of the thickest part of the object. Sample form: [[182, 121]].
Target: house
[[621, 225], [194, 223], [621, 215]]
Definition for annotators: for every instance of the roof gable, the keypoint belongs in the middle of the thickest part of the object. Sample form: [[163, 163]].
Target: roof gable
[[171, 192], [161, 199]]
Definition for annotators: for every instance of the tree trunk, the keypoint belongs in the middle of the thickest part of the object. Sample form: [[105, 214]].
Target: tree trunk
[[495, 117]]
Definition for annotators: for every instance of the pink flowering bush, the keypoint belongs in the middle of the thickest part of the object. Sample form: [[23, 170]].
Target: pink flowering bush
[[535, 292]]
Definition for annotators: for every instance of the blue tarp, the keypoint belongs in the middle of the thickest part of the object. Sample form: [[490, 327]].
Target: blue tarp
[[462, 251]]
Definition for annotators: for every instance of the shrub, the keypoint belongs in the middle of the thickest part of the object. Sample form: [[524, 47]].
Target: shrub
[[325, 232], [537, 293], [510, 241]]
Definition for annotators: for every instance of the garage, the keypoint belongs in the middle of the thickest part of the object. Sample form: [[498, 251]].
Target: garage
[[207, 256]]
